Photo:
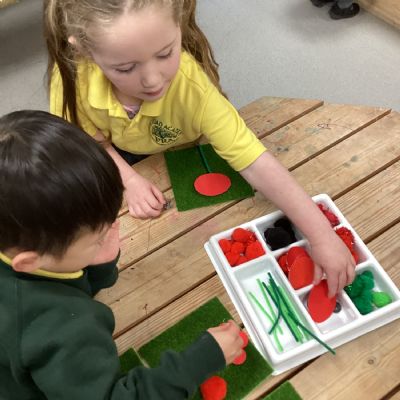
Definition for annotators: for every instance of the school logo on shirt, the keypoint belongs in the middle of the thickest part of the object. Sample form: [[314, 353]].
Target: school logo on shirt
[[162, 133]]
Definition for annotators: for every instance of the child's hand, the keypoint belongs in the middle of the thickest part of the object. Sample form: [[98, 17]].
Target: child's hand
[[331, 256], [227, 336], [109, 246], [144, 199]]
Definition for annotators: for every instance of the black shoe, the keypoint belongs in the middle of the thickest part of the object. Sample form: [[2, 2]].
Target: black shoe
[[320, 3], [338, 13]]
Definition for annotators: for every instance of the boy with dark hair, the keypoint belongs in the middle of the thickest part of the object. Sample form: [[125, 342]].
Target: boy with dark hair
[[60, 193]]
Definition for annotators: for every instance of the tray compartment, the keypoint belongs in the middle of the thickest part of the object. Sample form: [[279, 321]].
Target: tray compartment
[[246, 280], [347, 314]]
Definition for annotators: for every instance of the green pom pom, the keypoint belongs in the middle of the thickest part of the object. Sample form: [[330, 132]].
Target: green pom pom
[[368, 274], [363, 305], [367, 279], [355, 288], [381, 299]]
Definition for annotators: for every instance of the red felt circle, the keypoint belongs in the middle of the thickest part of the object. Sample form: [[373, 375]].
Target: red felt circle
[[320, 306], [301, 272], [212, 184], [293, 253]]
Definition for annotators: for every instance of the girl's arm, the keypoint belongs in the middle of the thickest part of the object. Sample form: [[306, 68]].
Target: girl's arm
[[144, 199], [329, 253]]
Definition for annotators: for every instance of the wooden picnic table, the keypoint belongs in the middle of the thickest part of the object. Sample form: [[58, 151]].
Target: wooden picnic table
[[352, 153]]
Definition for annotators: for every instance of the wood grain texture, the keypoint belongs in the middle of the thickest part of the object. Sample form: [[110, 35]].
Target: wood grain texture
[[262, 116], [368, 367], [181, 265], [388, 10], [350, 152]]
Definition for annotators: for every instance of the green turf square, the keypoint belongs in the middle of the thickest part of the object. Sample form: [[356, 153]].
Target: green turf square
[[129, 360], [185, 165], [284, 392], [241, 379]]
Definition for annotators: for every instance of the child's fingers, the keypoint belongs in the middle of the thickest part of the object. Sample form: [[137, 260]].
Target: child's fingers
[[158, 195], [317, 274], [351, 273], [333, 284], [342, 281]]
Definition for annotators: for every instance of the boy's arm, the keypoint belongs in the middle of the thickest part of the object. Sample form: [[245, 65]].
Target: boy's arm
[[329, 253], [69, 353]]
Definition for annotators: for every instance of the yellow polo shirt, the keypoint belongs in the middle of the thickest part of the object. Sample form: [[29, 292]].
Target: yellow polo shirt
[[192, 106]]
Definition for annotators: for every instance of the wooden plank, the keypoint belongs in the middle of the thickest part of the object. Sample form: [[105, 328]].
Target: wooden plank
[[178, 267], [353, 160], [388, 10], [263, 116], [368, 200], [305, 138], [174, 312], [361, 207], [268, 114], [396, 396], [377, 198], [319, 130], [366, 368]]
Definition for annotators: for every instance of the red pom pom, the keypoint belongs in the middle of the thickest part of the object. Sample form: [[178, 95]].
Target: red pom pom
[[252, 238], [237, 247], [245, 339], [242, 260], [241, 235], [347, 236], [225, 245], [239, 360], [254, 250], [214, 388], [331, 217], [232, 258]]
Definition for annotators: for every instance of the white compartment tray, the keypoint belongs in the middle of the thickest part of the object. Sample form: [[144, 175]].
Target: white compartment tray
[[281, 348]]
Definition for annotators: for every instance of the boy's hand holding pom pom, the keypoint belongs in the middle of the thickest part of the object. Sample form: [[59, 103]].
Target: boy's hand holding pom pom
[[228, 337]]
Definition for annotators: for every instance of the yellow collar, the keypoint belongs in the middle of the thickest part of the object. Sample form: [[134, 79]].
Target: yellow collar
[[47, 274]]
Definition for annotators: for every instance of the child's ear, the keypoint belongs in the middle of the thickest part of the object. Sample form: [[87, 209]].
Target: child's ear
[[27, 261]]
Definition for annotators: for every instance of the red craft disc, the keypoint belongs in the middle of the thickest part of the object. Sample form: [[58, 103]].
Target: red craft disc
[[301, 272], [320, 306], [212, 184], [282, 261], [293, 253]]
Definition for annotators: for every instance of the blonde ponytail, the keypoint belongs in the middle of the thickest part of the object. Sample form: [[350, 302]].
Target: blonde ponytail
[[195, 42], [60, 53]]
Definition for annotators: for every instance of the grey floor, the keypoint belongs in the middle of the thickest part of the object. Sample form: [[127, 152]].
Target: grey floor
[[284, 48]]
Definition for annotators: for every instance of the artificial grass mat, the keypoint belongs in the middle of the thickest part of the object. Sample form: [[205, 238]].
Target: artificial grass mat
[[185, 165], [284, 392], [240, 379], [129, 360]]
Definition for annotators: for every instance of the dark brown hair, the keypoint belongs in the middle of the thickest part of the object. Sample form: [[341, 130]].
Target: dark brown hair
[[55, 181]]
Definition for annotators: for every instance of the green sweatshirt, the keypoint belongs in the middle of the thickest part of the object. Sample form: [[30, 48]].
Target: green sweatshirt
[[56, 343]]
